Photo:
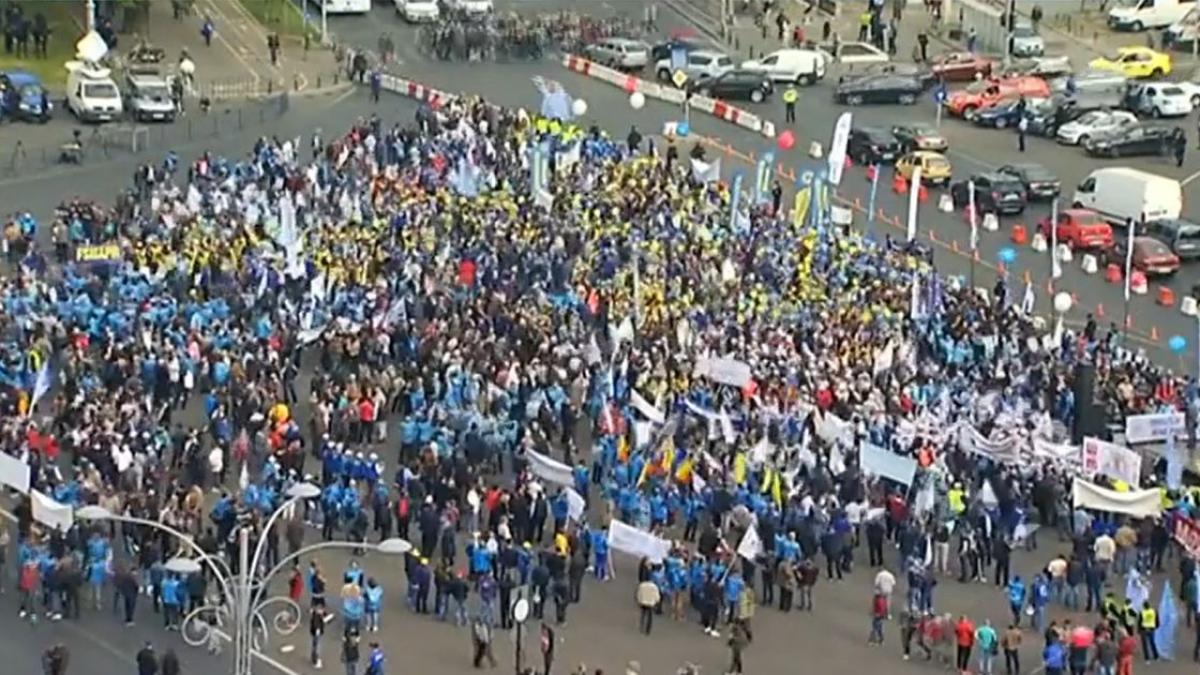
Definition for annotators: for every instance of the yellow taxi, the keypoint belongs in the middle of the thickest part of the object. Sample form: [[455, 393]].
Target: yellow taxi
[[935, 168], [1135, 62]]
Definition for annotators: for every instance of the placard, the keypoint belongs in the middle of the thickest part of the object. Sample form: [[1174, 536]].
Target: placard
[[1154, 427], [51, 513], [549, 469], [635, 542], [1114, 461], [14, 473], [881, 462], [106, 253], [732, 372], [1136, 503]]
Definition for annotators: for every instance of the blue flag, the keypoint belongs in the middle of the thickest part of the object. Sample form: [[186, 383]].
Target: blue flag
[[1168, 620], [41, 385]]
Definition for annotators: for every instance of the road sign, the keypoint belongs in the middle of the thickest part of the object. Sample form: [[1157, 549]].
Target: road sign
[[680, 78], [678, 57], [940, 95]]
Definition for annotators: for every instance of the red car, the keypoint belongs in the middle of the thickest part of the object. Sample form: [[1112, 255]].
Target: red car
[[1151, 256], [1079, 229], [961, 66]]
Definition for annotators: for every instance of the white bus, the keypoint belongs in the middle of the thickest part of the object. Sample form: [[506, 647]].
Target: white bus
[[344, 6]]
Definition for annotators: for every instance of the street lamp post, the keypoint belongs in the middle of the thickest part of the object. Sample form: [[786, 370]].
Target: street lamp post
[[242, 605]]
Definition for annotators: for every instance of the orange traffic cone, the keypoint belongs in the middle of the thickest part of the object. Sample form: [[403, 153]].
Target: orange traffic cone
[[1154, 333], [923, 194], [899, 185]]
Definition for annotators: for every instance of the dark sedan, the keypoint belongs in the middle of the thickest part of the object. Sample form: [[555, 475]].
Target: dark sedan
[[914, 70], [994, 193], [663, 50], [1039, 183], [1133, 140], [879, 89], [920, 136], [1004, 114], [872, 145], [737, 84]]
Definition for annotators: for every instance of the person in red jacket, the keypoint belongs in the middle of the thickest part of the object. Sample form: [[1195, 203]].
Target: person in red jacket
[[879, 612], [964, 635], [1126, 648], [27, 583]]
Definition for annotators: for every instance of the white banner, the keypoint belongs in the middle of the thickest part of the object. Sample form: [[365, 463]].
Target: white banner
[[575, 505], [549, 469], [837, 148], [14, 473], [1136, 503], [833, 428], [1155, 427], [751, 545], [881, 462], [646, 408], [732, 372], [1057, 451], [706, 172], [1113, 461], [51, 513], [635, 542]]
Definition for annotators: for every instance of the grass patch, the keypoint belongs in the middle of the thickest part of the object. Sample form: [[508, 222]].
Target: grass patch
[[282, 16], [64, 19]]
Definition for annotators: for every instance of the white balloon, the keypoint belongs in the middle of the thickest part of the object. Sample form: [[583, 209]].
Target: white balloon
[[579, 107], [637, 100]]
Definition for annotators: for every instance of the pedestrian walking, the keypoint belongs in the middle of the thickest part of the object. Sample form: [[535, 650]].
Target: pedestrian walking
[[964, 635], [147, 660], [1147, 624], [739, 639], [790, 96], [648, 597], [316, 630], [207, 30], [1011, 643], [170, 663], [350, 655], [1022, 129], [547, 647], [1180, 143], [878, 616], [481, 637], [988, 643]]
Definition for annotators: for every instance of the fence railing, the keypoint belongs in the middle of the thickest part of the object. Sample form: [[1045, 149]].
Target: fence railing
[[122, 139]]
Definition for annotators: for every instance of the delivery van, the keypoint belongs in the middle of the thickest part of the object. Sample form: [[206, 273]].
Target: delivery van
[[1119, 194], [1138, 15]]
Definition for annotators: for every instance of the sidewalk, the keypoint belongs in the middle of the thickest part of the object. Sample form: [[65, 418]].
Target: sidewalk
[[237, 64], [747, 40]]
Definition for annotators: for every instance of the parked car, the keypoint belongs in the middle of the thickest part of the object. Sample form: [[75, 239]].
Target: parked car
[[418, 11], [935, 168], [1182, 236], [994, 193], [1006, 113], [148, 95], [1133, 140], [1159, 99], [22, 97], [1121, 194], [853, 53], [663, 50], [1079, 229], [880, 89], [1093, 124], [961, 66], [872, 145], [1024, 41], [737, 85], [1151, 256], [701, 65], [1135, 62], [1039, 182], [920, 136], [802, 66], [1039, 66], [983, 94], [621, 53], [901, 68]]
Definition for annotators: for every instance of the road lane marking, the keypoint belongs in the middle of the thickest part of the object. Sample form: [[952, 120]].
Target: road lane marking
[[1190, 178]]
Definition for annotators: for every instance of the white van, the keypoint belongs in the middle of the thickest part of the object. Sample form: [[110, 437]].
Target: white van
[[1121, 193], [1185, 31], [92, 96], [802, 66], [1138, 15]]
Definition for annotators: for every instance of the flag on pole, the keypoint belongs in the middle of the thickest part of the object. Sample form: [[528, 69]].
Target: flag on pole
[[41, 385], [914, 190], [1055, 265], [762, 177], [1168, 621], [1128, 256], [972, 217]]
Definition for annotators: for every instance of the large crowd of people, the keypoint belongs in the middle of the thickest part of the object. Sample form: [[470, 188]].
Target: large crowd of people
[[499, 370]]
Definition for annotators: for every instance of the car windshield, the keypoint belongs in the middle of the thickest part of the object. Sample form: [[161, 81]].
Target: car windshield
[[936, 162], [923, 130], [1036, 173], [100, 90], [154, 91], [1024, 32], [1094, 117], [1189, 234], [30, 90], [1154, 247]]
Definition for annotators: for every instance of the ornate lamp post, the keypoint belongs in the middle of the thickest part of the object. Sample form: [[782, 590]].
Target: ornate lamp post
[[242, 607]]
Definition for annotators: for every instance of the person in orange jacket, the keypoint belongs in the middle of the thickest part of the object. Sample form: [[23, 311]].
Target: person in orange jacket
[[964, 633]]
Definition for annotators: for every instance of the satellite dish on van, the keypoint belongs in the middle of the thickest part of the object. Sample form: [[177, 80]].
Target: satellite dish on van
[[91, 47]]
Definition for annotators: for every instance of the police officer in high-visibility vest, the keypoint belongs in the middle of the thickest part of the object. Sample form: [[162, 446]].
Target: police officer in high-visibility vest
[[1147, 626], [957, 497], [789, 103]]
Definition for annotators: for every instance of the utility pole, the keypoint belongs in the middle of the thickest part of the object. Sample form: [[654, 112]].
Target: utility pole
[[90, 19]]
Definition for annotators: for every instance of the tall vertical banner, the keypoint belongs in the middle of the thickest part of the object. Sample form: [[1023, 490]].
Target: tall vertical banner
[[762, 177], [539, 167], [871, 197], [837, 148], [1055, 265], [972, 216], [808, 202], [914, 190], [1128, 257], [1174, 464], [735, 196]]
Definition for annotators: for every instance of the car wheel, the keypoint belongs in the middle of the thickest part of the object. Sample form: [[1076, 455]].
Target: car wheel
[[1156, 113], [1196, 101], [804, 80], [1083, 139], [1157, 72], [1001, 122], [907, 99], [757, 96], [854, 100], [1138, 26], [663, 75], [705, 92], [969, 113]]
